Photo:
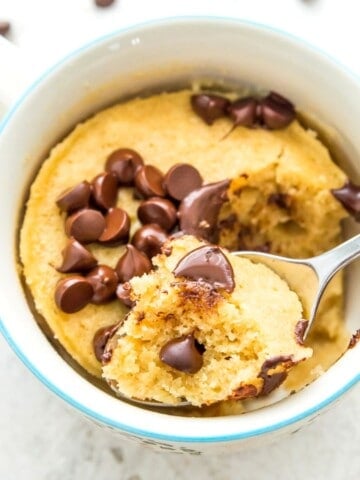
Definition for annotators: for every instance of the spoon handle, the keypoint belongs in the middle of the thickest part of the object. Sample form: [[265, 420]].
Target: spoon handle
[[327, 264]]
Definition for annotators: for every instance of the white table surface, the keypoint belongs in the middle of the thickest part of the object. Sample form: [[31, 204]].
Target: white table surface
[[43, 439]]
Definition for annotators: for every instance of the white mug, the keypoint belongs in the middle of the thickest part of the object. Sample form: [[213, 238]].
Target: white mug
[[153, 56]]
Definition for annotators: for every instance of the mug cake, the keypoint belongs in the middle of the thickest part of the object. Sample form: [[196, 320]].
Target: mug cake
[[126, 245]]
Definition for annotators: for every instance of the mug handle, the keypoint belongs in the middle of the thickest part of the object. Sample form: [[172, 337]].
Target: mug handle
[[15, 74]]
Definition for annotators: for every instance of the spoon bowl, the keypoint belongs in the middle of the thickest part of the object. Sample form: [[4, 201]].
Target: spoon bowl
[[309, 277]]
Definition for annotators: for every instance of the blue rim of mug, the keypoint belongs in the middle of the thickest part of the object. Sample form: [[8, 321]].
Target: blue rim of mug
[[72, 401]]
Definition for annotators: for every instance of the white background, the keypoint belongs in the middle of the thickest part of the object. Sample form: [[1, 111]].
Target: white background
[[41, 438]]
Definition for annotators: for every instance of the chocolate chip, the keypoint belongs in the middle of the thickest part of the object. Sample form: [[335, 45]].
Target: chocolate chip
[[124, 162], [4, 27], [243, 112], [300, 329], [276, 111], [148, 182], [209, 107], [73, 293], [273, 380], [158, 210], [123, 292], [85, 225], [132, 264], [75, 198], [349, 196], [207, 264], [199, 211], [182, 354], [104, 3], [101, 337], [104, 190], [149, 239], [245, 391], [355, 338], [182, 179], [76, 258], [117, 227], [104, 281]]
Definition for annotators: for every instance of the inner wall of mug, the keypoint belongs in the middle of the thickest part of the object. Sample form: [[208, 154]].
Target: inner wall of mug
[[168, 55]]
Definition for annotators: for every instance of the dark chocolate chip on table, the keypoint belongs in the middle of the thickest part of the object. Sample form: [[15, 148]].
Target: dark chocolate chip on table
[[73, 293], [183, 354], [76, 258], [182, 179], [104, 281], [101, 338], [243, 112], [75, 197], [104, 190], [117, 227], [158, 210], [349, 196], [207, 264], [85, 225], [209, 107], [149, 181], [149, 239], [199, 211], [132, 263], [276, 111], [104, 3], [124, 162], [4, 27], [123, 292]]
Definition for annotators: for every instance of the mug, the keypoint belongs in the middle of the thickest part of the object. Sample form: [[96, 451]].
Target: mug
[[165, 54]]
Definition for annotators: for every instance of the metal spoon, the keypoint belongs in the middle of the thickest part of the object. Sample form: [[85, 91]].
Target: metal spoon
[[307, 277]]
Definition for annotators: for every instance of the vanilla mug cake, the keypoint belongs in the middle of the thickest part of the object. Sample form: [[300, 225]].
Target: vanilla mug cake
[[252, 185]]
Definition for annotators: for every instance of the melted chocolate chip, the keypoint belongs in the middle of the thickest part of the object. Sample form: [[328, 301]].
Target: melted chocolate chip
[[349, 196], [209, 107], [276, 111], [207, 264], [4, 27], [76, 258], [149, 239], [354, 339], [104, 281], [182, 179], [199, 211], [132, 264], [74, 198], [158, 210], [101, 337], [104, 190], [73, 293], [300, 329], [182, 354], [274, 380], [117, 227], [85, 225], [148, 182], [123, 292], [124, 162], [243, 112]]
